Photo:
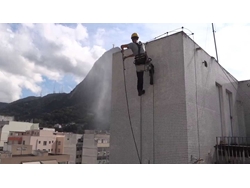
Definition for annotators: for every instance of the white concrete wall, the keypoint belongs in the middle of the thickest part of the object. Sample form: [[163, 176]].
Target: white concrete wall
[[210, 122], [174, 126], [163, 125]]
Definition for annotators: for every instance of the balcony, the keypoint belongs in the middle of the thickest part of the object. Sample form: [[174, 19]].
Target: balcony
[[232, 150]]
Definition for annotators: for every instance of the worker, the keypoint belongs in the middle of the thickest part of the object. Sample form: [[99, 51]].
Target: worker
[[140, 54]]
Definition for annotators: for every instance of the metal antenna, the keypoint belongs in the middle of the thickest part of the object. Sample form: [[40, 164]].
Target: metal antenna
[[215, 44]]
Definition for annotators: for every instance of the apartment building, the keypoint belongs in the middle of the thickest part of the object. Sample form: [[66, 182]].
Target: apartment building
[[95, 147], [46, 139], [7, 126], [23, 154], [72, 145]]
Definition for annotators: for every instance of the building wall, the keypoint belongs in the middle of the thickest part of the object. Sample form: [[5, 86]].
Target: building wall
[[89, 150], [59, 147], [41, 143], [163, 107], [70, 147], [182, 113], [244, 103], [211, 120], [14, 126], [15, 140], [21, 159], [17, 149]]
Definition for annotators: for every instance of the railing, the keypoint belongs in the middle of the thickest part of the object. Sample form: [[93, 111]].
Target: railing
[[232, 150]]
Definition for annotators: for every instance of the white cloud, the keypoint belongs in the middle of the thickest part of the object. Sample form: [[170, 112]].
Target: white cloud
[[37, 50]]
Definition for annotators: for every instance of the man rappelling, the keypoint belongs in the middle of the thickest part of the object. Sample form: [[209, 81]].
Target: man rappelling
[[141, 58]]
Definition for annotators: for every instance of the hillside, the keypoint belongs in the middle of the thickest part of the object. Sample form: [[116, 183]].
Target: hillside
[[2, 104], [88, 103]]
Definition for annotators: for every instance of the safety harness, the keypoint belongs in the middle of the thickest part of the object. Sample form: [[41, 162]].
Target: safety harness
[[140, 58]]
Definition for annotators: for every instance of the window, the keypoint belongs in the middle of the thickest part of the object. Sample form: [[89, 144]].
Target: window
[[59, 142], [80, 156], [49, 142], [23, 142], [52, 141], [52, 150], [44, 143], [39, 142], [49, 150], [67, 138]]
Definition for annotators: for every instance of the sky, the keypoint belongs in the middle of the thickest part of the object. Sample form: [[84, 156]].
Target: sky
[[38, 59]]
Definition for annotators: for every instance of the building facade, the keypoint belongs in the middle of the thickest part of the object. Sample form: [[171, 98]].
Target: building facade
[[12, 155], [47, 139], [193, 100], [7, 126], [95, 147]]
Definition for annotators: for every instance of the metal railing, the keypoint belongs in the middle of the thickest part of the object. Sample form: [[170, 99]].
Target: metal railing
[[232, 150]]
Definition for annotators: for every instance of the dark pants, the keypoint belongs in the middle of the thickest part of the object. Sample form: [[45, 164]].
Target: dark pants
[[140, 80]]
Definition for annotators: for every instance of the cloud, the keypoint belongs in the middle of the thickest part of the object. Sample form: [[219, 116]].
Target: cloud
[[31, 51]]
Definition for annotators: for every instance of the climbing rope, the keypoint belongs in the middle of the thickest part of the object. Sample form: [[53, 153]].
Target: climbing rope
[[125, 86], [153, 127], [141, 126], [196, 94]]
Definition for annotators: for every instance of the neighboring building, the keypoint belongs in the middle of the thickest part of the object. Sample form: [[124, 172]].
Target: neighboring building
[[44, 139], [193, 101], [95, 147], [23, 154], [7, 118], [7, 126], [79, 147], [47, 139], [72, 146]]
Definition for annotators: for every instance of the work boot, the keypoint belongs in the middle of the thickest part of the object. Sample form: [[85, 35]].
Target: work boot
[[141, 92]]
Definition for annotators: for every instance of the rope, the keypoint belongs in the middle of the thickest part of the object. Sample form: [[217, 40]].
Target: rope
[[153, 132], [141, 126], [128, 110], [153, 127]]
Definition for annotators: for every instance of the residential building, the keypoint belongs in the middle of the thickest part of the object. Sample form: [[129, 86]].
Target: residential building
[[49, 140], [7, 126], [193, 101], [72, 145], [79, 147], [23, 154], [40, 139], [95, 147]]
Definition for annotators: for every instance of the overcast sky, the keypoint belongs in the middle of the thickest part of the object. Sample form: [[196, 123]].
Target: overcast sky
[[35, 58]]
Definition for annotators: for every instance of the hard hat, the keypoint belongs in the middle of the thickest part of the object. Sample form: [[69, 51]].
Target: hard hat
[[134, 35]]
